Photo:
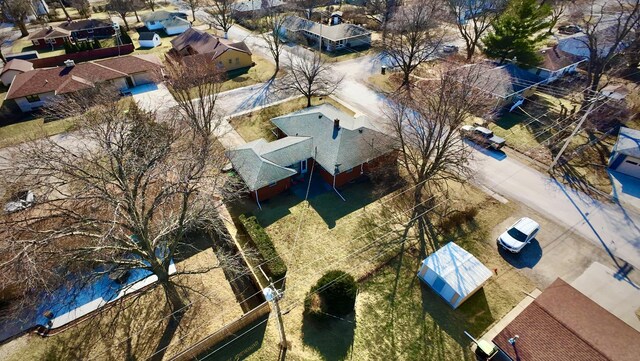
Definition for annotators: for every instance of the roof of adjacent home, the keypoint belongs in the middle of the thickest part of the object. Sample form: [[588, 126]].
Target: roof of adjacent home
[[577, 44], [63, 79], [564, 324], [161, 15], [253, 5], [628, 142], [147, 35], [334, 33], [353, 143], [261, 163], [200, 42], [175, 21], [20, 65], [500, 80], [49, 33], [554, 59], [86, 24], [458, 268]]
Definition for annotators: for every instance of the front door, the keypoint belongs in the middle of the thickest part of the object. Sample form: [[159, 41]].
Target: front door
[[303, 166]]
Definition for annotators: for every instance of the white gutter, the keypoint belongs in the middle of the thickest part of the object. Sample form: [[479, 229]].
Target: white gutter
[[258, 199]]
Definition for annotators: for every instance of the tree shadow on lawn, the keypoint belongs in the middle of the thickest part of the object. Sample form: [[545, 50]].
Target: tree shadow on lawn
[[331, 337], [241, 345]]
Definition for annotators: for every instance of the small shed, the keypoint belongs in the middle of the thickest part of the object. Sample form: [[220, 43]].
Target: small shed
[[149, 40], [625, 157], [12, 68], [453, 273]]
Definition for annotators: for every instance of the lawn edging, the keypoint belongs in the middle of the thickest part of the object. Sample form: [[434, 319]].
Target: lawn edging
[[262, 242]]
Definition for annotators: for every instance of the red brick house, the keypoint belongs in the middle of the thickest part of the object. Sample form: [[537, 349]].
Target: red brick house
[[72, 31], [341, 148], [49, 37]]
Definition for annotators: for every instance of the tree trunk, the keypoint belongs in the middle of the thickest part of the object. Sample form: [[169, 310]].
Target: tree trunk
[[64, 9], [137, 18], [277, 61], [176, 301], [405, 79], [308, 101], [126, 24], [471, 49], [4, 60], [193, 14], [23, 28]]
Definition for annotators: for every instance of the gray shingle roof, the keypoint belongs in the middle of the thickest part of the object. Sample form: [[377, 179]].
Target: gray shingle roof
[[628, 142], [147, 35], [254, 5], [334, 33], [260, 163], [354, 143], [501, 80], [162, 15]]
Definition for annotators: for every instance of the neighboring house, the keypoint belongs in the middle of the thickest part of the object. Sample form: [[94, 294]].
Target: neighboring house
[[334, 37], [337, 146], [196, 46], [32, 89], [89, 29], [72, 31], [149, 40], [251, 8], [38, 8], [454, 274], [508, 84], [562, 324], [49, 37], [13, 68], [615, 91], [556, 64], [577, 44], [171, 22], [625, 156]]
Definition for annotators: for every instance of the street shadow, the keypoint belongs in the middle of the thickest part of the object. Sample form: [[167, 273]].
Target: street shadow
[[332, 337], [495, 154], [239, 346], [528, 257]]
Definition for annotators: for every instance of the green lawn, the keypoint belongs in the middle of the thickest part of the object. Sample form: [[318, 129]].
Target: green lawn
[[262, 71], [255, 125], [13, 134], [22, 45]]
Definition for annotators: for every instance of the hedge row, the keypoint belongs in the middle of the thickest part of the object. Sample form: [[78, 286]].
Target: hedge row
[[262, 242]]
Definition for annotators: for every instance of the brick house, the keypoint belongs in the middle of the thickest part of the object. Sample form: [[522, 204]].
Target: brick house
[[339, 147], [32, 89], [72, 31]]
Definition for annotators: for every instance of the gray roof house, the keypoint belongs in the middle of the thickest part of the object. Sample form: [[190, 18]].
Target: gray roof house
[[334, 37], [625, 157], [342, 148], [249, 7]]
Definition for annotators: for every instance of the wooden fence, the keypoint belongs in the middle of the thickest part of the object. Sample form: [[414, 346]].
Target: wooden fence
[[83, 56], [220, 335]]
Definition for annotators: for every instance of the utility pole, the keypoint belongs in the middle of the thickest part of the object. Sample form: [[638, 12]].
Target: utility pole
[[273, 295], [575, 131]]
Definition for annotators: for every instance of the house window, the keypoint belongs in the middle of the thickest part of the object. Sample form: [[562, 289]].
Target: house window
[[237, 60], [230, 61], [273, 184], [50, 41], [32, 98]]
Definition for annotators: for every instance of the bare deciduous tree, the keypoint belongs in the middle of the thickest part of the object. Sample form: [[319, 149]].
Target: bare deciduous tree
[[606, 28], [272, 26], [16, 11], [309, 74], [83, 7], [414, 36], [473, 18], [195, 88], [306, 6], [426, 124], [558, 9], [220, 15], [126, 195], [151, 4], [121, 7], [193, 5], [381, 11], [4, 37]]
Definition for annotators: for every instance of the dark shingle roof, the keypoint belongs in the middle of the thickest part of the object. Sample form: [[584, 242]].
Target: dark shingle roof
[[334, 33], [200, 42], [500, 80], [147, 35], [564, 324], [555, 59], [85, 24], [49, 33]]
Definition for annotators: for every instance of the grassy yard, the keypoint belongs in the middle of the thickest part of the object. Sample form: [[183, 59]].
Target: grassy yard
[[13, 134], [22, 45], [396, 318], [262, 71], [255, 125], [132, 331]]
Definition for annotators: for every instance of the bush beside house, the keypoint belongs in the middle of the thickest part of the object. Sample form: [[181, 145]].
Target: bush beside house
[[264, 245]]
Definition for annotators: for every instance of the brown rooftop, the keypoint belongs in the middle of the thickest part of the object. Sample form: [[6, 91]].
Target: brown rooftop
[[200, 42], [85, 24], [64, 79], [49, 33], [18, 65], [564, 324], [555, 59]]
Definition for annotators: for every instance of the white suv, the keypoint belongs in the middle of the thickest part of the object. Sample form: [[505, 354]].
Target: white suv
[[519, 234]]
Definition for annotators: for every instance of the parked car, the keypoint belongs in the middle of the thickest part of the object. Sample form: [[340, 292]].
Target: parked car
[[19, 201], [450, 49], [569, 29], [519, 235], [482, 135]]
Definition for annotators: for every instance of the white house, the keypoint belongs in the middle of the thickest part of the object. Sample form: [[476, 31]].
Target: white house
[[625, 157], [171, 22], [149, 39], [13, 68], [453, 273]]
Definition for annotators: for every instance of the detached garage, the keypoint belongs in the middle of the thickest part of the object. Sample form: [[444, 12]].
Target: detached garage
[[453, 273], [625, 157], [149, 40]]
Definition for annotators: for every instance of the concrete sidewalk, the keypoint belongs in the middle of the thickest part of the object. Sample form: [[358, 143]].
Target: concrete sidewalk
[[504, 321]]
